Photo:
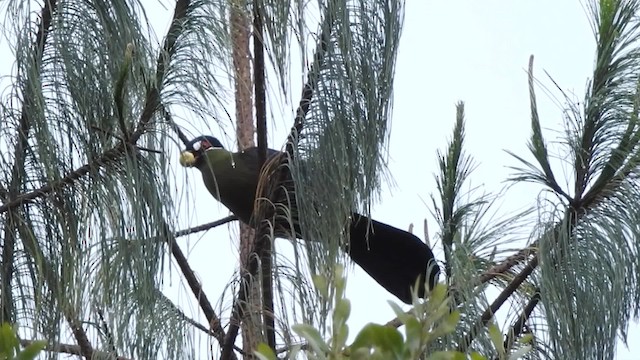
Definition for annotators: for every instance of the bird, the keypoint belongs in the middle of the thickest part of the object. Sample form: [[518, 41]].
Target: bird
[[394, 258]]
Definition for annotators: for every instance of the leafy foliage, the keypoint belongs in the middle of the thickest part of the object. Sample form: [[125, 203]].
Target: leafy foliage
[[425, 324], [10, 346]]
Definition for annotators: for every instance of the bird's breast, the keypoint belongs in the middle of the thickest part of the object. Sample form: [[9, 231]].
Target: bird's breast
[[231, 184]]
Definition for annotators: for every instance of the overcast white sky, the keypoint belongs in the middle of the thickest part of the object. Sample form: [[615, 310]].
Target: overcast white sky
[[470, 50]]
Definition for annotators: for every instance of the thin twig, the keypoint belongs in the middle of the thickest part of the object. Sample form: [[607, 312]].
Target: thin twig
[[206, 226], [506, 264], [196, 288], [302, 346], [168, 118], [141, 148], [396, 322], [146, 149]]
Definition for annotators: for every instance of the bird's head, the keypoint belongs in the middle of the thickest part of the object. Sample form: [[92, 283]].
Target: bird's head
[[196, 148]]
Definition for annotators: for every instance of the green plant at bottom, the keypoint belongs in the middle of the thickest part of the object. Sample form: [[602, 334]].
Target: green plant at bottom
[[10, 345], [424, 324]]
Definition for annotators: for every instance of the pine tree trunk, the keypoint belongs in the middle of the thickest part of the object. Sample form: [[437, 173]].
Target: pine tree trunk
[[245, 129]]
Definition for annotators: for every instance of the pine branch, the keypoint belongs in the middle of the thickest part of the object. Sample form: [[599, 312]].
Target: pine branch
[[151, 104], [84, 345], [309, 86], [537, 144], [24, 127], [506, 264], [498, 302]]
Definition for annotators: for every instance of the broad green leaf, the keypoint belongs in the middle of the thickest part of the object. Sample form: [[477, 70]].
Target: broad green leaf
[[378, 336], [414, 331], [8, 341]]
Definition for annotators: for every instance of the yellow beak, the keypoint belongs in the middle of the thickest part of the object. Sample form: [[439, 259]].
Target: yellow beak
[[187, 159]]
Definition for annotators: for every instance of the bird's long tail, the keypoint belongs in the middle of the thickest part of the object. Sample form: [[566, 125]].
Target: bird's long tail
[[395, 258]]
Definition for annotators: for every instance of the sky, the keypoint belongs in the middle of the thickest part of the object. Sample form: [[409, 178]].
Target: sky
[[474, 51]]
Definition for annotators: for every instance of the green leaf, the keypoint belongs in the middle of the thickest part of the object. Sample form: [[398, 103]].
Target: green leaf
[[526, 339], [413, 329], [496, 338], [385, 338], [450, 322], [342, 310], [264, 352], [438, 294], [9, 345], [313, 336], [320, 283]]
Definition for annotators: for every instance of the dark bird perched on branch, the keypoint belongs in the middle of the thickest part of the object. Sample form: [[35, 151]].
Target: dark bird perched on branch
[[396, 259]]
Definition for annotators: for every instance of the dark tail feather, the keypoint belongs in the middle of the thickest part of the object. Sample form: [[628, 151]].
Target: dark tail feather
[[394, 258]]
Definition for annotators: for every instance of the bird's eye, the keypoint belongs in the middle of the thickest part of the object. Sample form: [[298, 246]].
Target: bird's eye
[[196, 146]]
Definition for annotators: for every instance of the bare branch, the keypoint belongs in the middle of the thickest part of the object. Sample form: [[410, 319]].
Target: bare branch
[[196, 288], [206, 226], [65, 349]]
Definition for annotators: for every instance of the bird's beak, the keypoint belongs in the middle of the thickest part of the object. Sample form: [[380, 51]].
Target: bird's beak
[[187, 159]]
